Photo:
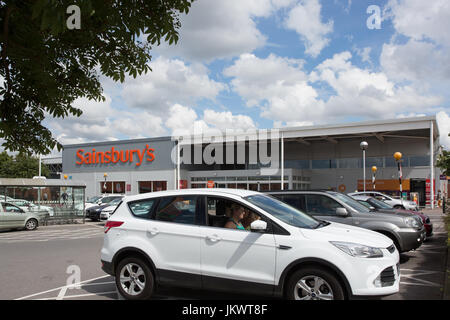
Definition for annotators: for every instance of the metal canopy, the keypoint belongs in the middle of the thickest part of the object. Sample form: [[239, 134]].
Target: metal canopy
[[14, 182]]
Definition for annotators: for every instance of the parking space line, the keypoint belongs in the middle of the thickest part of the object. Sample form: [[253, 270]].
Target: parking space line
[[59, 288], [81, 295]]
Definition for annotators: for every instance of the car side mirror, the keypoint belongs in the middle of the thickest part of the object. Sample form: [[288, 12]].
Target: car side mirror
[[372, 209], [341, 212], [258, 226]]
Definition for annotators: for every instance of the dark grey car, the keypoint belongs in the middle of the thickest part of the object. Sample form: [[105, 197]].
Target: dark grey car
[[405, 229]]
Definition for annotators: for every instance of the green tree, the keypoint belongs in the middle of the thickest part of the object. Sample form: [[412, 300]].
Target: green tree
[[443, 162], [45, 66], [21, 166]]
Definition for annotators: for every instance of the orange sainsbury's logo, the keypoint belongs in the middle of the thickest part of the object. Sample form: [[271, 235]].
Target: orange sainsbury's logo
[[115, 156]]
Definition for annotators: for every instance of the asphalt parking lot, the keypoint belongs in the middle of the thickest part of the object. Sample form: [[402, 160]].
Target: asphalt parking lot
[[62, 262]]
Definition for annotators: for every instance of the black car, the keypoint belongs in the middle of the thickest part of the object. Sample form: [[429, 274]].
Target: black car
[[93, 213]]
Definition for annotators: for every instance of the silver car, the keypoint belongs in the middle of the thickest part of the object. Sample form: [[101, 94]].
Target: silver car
[[13, 217], [405, 229]]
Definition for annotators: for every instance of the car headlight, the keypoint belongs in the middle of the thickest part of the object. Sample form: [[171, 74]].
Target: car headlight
[[412, 222], [358, 250]]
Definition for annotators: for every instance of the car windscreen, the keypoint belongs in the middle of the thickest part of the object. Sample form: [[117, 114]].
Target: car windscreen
[[115, 201], [109, 199], [379, 204], [283, 211], [93, 199], [351, 202]]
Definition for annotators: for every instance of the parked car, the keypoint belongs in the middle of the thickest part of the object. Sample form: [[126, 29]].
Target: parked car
[[99, 200], [405, 229], [109, 210], [30, 206], [380, 206], [14, 217], [178, 238], [396, 203], [93, 213]]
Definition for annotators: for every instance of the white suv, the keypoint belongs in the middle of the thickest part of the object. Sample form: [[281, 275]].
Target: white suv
[[179, 238]]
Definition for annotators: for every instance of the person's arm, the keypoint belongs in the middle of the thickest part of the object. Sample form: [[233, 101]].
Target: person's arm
[[230, 225]]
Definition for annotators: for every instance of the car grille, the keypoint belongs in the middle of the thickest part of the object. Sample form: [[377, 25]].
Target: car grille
[[391, 249], [387, 277]]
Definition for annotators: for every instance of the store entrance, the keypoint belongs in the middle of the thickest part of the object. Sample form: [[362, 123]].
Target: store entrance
[[418, 185]]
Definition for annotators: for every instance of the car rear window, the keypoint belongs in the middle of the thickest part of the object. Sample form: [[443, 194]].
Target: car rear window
[[142, 208]]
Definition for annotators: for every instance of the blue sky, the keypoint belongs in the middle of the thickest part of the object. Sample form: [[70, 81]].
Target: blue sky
[[272, 63]]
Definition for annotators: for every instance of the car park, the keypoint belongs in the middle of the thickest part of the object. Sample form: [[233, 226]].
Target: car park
[[14, 217], [29, 206], [380, 206], [405, 229], [395, 203], [93, 212], [109, 210], [178, 238]]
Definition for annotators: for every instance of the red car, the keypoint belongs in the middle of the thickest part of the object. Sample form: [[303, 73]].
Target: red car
[[381, 206]]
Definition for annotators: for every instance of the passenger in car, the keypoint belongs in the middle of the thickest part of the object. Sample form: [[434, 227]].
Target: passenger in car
[[237, 214]]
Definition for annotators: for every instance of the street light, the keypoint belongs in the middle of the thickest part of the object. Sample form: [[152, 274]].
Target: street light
[[364, 145], [374, 173], [398, 159]]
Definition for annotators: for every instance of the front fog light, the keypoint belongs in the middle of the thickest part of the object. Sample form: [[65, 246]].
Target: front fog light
[[377, 282]]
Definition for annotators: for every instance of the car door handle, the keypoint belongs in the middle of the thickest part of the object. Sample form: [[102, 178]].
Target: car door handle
[[283, 247], [213, 238], [153, 231]]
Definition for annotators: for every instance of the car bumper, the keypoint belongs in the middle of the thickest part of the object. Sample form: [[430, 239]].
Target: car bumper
[[107, 267], [429, 230], [411, 239], [381, 276]]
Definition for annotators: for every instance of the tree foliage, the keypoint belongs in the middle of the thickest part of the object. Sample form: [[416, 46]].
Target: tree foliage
[[21, 166], [443, 162], [45, 66]]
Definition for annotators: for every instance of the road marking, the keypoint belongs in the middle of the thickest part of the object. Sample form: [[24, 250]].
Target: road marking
[[81, 295], [59, 288]]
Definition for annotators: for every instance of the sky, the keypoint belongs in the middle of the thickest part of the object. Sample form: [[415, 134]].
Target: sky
[[245, 64]]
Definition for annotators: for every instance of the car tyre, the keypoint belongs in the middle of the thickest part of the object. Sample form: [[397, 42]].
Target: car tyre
[[314, 283], [134, 279], [31, 224], [399, 207]]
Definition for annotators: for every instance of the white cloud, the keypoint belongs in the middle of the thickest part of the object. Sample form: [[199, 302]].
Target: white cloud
[[421, 20], [443, 120], [100, 122], [184, 120], [221, 29], [170, 82], [306, 20], [360, 92]]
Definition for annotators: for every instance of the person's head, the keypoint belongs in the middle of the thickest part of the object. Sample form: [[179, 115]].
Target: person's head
[[237, 211]]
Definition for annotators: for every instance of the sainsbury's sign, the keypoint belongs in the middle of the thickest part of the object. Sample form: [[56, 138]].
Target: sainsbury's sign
[[115, 155]]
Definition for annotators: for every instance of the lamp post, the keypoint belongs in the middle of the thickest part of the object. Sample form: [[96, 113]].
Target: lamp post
[[374, 174], [398, 159], [364, 145], [104, 184]]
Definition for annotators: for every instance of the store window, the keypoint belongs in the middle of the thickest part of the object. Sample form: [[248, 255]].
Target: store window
[[112, 187], [152, 186]]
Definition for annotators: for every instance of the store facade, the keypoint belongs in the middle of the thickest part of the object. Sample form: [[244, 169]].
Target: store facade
[[319, 157]]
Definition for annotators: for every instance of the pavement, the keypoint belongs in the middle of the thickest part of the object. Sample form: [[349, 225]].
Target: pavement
[[63, 262]]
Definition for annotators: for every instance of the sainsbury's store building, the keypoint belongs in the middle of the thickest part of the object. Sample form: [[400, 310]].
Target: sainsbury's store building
[[325, 157]]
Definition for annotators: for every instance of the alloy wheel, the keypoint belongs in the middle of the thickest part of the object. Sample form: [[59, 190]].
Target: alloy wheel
[[132, 279], [313, 288]]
